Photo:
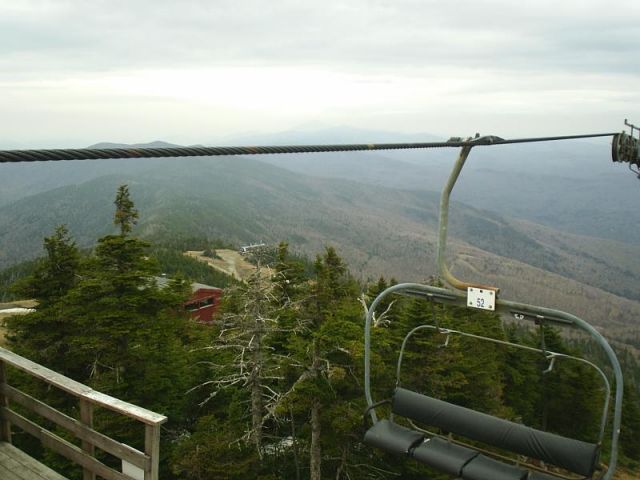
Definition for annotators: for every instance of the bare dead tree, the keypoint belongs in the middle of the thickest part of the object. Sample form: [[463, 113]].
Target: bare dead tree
[[378, 320], [254, 366]]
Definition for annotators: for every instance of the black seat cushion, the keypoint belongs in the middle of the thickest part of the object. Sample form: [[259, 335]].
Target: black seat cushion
[[574, 455], [392, 437], [541, 476], [485, 468], [445, 456]]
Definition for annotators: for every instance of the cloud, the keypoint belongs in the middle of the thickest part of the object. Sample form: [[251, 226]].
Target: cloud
[[351, 34], [410, 63]]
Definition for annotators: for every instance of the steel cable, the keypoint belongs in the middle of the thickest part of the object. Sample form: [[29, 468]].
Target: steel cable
[[14, 156]]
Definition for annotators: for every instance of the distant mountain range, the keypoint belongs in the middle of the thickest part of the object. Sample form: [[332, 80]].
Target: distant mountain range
[[379, 210], [569, 185]]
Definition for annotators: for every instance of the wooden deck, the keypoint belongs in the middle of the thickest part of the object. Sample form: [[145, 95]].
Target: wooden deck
[[17, 465]]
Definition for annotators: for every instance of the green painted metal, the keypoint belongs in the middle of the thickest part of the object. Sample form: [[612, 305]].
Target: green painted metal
[[443, 223], [550, 356], [520, 310], [548, 315]]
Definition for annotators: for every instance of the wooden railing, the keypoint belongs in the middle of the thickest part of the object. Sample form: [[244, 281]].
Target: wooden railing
[[140, 464]]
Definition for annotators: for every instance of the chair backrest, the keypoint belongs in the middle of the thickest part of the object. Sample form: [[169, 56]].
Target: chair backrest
[[574, 455], [579, 457]]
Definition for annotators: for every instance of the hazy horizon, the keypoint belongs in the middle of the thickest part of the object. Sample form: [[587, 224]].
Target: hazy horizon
[[76, 73]]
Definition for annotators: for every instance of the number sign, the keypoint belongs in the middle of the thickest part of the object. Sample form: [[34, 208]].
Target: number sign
[[482, 298]]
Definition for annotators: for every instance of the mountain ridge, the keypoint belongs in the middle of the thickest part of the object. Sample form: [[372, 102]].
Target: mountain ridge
[[378, 230], [569, 185]]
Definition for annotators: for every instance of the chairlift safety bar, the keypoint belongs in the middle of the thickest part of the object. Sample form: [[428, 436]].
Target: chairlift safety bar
[[549, 355]]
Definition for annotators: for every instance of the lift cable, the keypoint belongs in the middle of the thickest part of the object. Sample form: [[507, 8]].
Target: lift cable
[[14, 156]]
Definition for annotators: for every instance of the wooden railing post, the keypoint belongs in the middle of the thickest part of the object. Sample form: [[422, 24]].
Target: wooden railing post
[[5, 425], [152, 448], [136, 465], [86, 417]]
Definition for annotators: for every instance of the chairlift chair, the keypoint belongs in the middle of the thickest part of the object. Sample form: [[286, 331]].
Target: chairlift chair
[[581, 459]]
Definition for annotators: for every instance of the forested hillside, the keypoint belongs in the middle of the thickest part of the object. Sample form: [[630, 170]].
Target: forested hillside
[[273, 389], [293, 407], [379, 230], [569, 185]]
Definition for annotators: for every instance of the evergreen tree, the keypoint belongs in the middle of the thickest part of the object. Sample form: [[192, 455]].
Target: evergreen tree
[[126, 215], [572, 394], [523, 378], [213, 452], [42, 336], [433, 362], [455, 368], [127, 330], [246, 357], [288, 278], [326, 393], [104, 321], [288, 283], [56, 274]]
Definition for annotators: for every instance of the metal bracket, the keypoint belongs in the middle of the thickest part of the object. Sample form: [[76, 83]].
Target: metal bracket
[[626, 148], [552, 362], [632, 127]]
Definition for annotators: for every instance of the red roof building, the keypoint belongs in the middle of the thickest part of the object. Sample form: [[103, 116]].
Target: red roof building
[[204, 302]]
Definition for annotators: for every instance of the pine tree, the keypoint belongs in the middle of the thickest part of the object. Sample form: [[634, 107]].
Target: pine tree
[[288, 282], [42, 336], [248, 359], [573, 393], [104, 321], [326, 392], [212, 451], [523, 378], [127, 330], [56, 273], [126, 215], [288, 278]]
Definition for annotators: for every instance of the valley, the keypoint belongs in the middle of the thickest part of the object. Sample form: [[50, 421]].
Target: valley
[[208, 205], [380, 229]]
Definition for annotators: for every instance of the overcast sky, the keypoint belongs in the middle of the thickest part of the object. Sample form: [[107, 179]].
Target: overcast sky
[[73, 73]]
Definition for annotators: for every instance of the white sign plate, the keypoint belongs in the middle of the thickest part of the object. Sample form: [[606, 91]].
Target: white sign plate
[[482, 298]]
